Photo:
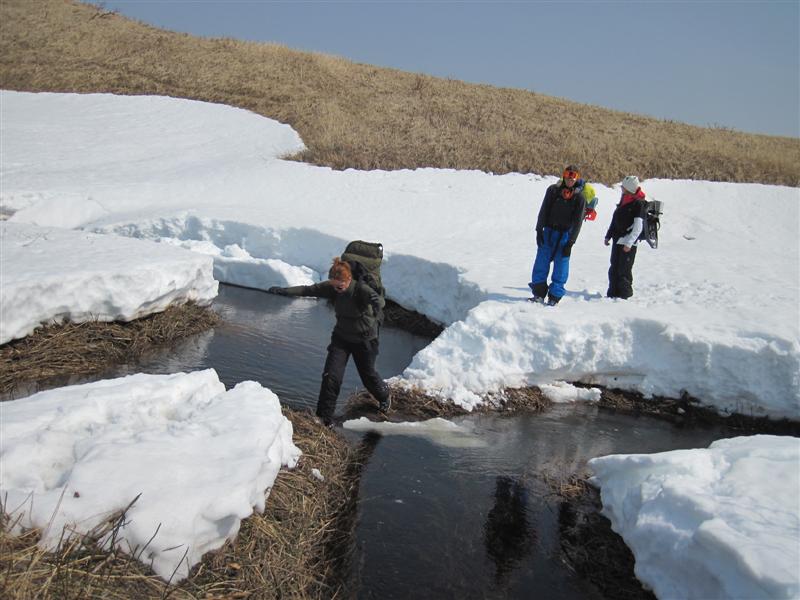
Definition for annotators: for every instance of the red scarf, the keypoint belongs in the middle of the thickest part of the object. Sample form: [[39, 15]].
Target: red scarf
[[628, 198]]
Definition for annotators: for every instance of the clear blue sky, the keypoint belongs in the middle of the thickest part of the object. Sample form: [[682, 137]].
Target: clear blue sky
[[728, 63]]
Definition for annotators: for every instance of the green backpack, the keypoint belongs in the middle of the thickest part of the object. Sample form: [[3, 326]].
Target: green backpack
[[365, 260]]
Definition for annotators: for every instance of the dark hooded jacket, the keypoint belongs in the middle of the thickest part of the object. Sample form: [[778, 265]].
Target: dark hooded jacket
[[356, 308], [562, 214], [628, 218]]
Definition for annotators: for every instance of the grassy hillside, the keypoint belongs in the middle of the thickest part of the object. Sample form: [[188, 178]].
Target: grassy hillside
[[354, 115]]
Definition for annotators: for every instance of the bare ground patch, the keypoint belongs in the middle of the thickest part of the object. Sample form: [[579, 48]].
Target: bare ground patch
[[297, 549], [56, 352]]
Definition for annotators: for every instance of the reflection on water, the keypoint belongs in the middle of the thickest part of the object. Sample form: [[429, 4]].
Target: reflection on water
[[508, 534], [438, 521]]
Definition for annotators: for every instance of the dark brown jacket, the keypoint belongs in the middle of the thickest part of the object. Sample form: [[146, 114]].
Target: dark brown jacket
[[356, 308]]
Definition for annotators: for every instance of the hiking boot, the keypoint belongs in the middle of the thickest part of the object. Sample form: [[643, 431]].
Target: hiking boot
[[552, 300], [324, 422], [385, 404], [537, 299]]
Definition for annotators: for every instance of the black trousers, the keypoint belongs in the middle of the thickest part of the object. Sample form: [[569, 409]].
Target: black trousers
[[620, 273], [339, 351]]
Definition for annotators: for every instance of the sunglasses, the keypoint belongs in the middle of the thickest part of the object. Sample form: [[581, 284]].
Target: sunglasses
[[571, 174]]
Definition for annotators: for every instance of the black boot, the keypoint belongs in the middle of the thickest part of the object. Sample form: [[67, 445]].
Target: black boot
[[539, 291], [552, 300], [385, 404]]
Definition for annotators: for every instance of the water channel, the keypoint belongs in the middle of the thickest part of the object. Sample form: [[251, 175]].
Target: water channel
[[438, 517]]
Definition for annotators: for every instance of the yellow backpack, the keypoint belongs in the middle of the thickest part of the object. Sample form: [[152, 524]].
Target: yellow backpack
[[590, 214]]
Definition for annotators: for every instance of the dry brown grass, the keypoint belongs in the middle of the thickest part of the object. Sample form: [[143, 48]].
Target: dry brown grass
[[415, 404], [58, 352], [294, 550], [355, 115]]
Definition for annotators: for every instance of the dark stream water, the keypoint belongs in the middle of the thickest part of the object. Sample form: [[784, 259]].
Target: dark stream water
[[439, 517]]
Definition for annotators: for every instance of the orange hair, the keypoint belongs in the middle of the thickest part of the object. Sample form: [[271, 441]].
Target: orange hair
[[340, 270]]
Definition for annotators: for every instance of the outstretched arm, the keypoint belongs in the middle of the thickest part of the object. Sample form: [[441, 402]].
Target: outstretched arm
[[319, 290]]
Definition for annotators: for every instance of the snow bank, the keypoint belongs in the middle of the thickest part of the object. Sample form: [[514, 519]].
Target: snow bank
[[717, 523], [437, 289], [236, 266], [503, 344], [198, 458], [55, 275]]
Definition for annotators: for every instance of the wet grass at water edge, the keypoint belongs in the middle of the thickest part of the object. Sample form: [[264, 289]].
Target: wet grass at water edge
[[687, 411], [414, 404], [54, 353]]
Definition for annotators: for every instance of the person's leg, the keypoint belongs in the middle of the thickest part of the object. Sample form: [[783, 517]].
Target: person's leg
[[613, 271], [541, 265], [625, 273], [332, 374], [364, 356], [560, 272]]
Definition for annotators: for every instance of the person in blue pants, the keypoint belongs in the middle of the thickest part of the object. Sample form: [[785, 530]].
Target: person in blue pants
[[557, 228]]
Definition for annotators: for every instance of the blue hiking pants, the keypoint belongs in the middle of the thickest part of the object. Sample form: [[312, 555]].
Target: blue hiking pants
[[550, 252]]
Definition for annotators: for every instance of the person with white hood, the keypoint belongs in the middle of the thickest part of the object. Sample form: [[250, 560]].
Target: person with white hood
[[626, 226]]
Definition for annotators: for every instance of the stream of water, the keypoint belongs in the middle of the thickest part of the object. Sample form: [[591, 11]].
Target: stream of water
[[466, 516]]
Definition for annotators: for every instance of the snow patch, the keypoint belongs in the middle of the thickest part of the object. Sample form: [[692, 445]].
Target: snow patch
[[561, 391], [439, 431], [198, 458], [721, 522], [52, 275]]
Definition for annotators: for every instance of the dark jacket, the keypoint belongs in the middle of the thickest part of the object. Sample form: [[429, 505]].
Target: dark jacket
[[560, 214], [356, 308], [623, 223]]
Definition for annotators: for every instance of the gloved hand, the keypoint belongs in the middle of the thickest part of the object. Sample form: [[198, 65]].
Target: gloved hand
[[539, 238], [567, 249], [591, 214], [277, 290]]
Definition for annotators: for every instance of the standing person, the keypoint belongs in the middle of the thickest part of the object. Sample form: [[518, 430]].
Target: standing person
[[357, 307], [626, 225], [557, 228]]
